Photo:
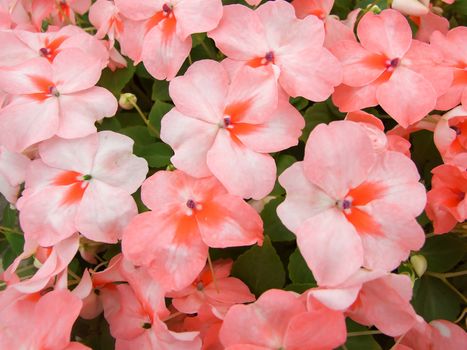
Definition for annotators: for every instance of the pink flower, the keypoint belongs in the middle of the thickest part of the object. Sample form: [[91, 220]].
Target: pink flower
[[271, 38], [225, 126], [81, 185], [12, 173], [158, 32], [350, 205], [436, 335], [61, 12], [281, 320], [388, 68], [60, 97], [446, 200], [453, 46], [188, 216], [450, 136], [18, 46], [38, 321], [105, 16], [218, 292]]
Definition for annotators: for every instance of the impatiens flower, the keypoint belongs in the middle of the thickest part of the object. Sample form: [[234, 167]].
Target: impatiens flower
[[188, 216], [54, 260], [104, 15], [281, 320], [350, 205], [81, 185], [436, 335], [57, 98], [273, 37], [60, 12], [373, 298], [18, 46], [219, 291], [225, 126], [453, 46], [412, 7], [450, 136], [388, 68], [42, 320], [446, 200], [12, 173], [158, 31]]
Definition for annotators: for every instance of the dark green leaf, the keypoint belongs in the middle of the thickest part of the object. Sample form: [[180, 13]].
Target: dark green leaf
[[116, 81], [299, 287], [158, 110], [425, 154], [260, 268], [273, 227], [157, 154], [160, 90], [323, 112], [197, 39], [299, 272], [139, 134], [443, 252], [299, 102], [435, 300], [361, 342], [283, 162]]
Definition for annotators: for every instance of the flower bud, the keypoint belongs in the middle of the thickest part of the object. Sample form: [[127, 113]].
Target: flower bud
[[419, 264], [375, 9], [127, 101]]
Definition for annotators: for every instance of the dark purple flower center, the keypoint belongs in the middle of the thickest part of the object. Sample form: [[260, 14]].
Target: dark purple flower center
[[191, 204], [346, 204], [45, 51], [269, 57], [394, 63], [53, 91], [166, 8]]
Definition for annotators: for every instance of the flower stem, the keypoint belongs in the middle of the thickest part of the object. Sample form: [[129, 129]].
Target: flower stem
[[145, 119]]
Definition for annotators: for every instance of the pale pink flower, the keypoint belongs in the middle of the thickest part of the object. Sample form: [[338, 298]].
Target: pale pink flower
[[158, 32], [281, 320], [12, 173], [218, 292], [350, 205], [188, 216], [271, 38], [60, 12], [226, 126], [388, 68], [446, 200], [81, 185], [105, 16], [57, 98]]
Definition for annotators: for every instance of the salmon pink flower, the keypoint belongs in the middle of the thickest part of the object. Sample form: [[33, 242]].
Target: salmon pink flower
[[188, 216], [350, 205], [38, 321], [104, 15], [225, 126], [18, 46], [12, 173], [158, 31], [450, 136], [81, 185], [271, 38], [218, 292], [388, 68], [446, 200], [453, 46], [60, 12], [373, 298], [436, 335], [282, 321], [60, 98]]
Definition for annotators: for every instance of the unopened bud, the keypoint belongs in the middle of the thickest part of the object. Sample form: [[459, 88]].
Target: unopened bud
[[127, 101], [375, 9], [419, 264]]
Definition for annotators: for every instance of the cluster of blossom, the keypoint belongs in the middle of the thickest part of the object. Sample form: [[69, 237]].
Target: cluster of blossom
[[352, 202]]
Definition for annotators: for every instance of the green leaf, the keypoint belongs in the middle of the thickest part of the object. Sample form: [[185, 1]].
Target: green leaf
[[443, 252], [283, 162], [158, 110], [299, 287], [197, 39], [299, 102], [435, 300], [361, 342], [425, 154], [139, 134], [260, 268], [15, 239], [157, 154], [273, 227], [160, 90], [116, 81], [323, 112], [299, 272]]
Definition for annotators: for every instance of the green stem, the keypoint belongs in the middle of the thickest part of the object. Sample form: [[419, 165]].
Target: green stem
[[443, 277], [358, 334], [210, 53], [145, 119]]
